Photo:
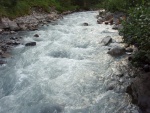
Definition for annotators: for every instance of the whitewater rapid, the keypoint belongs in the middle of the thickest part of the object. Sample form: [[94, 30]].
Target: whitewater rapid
[[68, 71]]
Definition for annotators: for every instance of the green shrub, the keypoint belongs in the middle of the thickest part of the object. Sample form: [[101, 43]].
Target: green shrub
[[137, 32], [136, 28]]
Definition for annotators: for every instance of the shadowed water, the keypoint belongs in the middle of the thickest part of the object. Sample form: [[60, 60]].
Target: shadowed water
[[68, 71]]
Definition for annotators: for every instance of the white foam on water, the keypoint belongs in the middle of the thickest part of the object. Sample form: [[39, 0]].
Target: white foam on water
[[66, 72]]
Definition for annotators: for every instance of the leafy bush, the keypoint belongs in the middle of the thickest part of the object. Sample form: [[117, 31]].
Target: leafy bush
[[137, 32], [122, 5]]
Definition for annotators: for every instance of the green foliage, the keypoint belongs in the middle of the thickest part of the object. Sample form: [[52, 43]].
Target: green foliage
[[21, 7], [136, 32], [14, 8], [122, 5], [136, 27], [115, 5]]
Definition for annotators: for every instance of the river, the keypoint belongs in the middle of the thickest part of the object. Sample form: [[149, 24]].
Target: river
[[68, 71]]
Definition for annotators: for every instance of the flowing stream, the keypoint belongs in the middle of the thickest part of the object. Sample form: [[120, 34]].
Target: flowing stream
[[68, 71]]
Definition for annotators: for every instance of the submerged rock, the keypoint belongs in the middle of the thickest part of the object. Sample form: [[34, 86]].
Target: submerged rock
[[85, 24], [36, 35]]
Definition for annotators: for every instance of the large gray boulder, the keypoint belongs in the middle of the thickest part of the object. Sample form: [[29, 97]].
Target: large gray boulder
[[6, 23], [116, 51], [106, 40]]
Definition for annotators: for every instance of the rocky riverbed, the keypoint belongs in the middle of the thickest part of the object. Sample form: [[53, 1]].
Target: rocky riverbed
[[124, 74], [10, 35], [75, 65], [139, 88]]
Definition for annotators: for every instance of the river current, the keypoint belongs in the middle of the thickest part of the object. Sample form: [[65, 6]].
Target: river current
[[68, 71]]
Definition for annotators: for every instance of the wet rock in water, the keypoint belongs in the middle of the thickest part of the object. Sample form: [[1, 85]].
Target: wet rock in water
[[100, 20], [2, 62], [30, 44], [106, 40], [116, 51], [85, 24], [36, 35]]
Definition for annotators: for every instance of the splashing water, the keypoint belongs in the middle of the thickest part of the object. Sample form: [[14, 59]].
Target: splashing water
[[69, 71]]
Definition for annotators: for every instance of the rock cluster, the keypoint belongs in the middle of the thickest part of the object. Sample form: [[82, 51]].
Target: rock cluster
[[6, 45], [111, 18], [29, 22]]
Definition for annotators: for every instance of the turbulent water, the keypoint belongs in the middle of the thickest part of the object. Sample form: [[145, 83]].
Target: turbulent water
[[68, 71]]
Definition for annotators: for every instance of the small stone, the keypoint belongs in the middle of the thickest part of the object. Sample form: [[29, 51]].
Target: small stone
[[36, 35], [85, 24], [30, 44]]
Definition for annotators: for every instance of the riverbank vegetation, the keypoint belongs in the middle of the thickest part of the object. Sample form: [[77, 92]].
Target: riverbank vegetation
[[15, 8], [135, 28]]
